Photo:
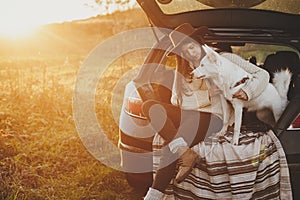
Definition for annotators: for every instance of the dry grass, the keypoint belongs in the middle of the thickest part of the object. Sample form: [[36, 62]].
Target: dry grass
[[41, 154]]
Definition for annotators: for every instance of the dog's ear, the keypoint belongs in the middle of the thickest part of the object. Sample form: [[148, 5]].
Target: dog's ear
[[211, 54], [206, 48], [212, 58]]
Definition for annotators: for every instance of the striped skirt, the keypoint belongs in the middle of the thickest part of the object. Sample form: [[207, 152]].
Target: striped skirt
[[254, 169]]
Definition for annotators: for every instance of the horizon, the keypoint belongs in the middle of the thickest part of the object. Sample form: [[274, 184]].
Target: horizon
[[22, 18]]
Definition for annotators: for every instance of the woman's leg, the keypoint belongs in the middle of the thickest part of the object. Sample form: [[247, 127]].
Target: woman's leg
[[192, 128], [188, 158], [190, 124], [156, 112], [166, 170]]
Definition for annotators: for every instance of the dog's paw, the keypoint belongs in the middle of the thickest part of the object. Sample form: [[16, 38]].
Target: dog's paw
[[235, 142], [235, 139]]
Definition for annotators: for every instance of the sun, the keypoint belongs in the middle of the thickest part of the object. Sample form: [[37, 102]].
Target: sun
[[16, 19], [20, 18], [15, 30]]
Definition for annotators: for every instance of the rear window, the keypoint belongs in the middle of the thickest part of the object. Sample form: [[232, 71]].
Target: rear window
[[259, 51], [179, 6]]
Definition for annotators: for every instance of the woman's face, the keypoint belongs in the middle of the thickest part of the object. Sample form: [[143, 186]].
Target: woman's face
[[192, 51]]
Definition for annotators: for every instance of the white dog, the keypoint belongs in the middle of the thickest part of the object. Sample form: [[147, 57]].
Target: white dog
[[229, 78]]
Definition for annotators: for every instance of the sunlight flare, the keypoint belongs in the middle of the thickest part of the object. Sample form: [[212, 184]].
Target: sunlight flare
[[20, 18]]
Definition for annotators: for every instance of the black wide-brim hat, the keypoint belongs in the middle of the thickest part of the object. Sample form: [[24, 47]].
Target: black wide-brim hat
[[183, 32]]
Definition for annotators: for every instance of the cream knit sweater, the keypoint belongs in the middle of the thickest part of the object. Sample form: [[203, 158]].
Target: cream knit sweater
[[200, 100]]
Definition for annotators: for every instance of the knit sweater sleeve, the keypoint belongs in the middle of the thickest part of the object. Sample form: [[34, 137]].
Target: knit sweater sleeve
[[260, 79]]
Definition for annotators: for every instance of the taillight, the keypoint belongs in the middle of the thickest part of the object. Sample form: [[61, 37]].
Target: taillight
[[296, 123], [133, 107]]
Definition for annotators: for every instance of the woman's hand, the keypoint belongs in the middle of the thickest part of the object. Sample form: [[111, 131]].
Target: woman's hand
[[240, 94]]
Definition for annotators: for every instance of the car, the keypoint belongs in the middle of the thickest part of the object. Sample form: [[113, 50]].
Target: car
[[266, 32]]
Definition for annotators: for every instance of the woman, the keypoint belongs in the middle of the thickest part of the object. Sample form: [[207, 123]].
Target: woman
[[194, 108]]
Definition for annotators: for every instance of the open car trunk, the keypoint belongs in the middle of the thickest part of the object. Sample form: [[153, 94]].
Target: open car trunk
[[235, 25]]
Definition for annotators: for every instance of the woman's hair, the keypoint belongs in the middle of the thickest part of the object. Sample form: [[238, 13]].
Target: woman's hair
[[184, 70], [184, 66]]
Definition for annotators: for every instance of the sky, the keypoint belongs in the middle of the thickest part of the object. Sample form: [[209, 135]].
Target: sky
[[20, 17]]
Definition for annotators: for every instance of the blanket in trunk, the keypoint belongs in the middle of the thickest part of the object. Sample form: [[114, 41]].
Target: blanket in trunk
[[254, 169]]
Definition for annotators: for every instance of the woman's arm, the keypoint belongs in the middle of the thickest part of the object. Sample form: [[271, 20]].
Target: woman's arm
[[260, 79], [191, 95], [196, 100]]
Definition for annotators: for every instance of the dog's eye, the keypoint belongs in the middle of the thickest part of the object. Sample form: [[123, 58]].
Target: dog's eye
[[201, 65]]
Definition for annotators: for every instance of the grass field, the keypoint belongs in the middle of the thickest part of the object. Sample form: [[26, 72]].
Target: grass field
[[41, 153]]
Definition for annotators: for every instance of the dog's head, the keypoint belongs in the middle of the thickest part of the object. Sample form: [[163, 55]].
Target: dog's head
[[209, 64]]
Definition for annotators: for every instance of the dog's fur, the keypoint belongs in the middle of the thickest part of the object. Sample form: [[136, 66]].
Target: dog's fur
[[226, 74]]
